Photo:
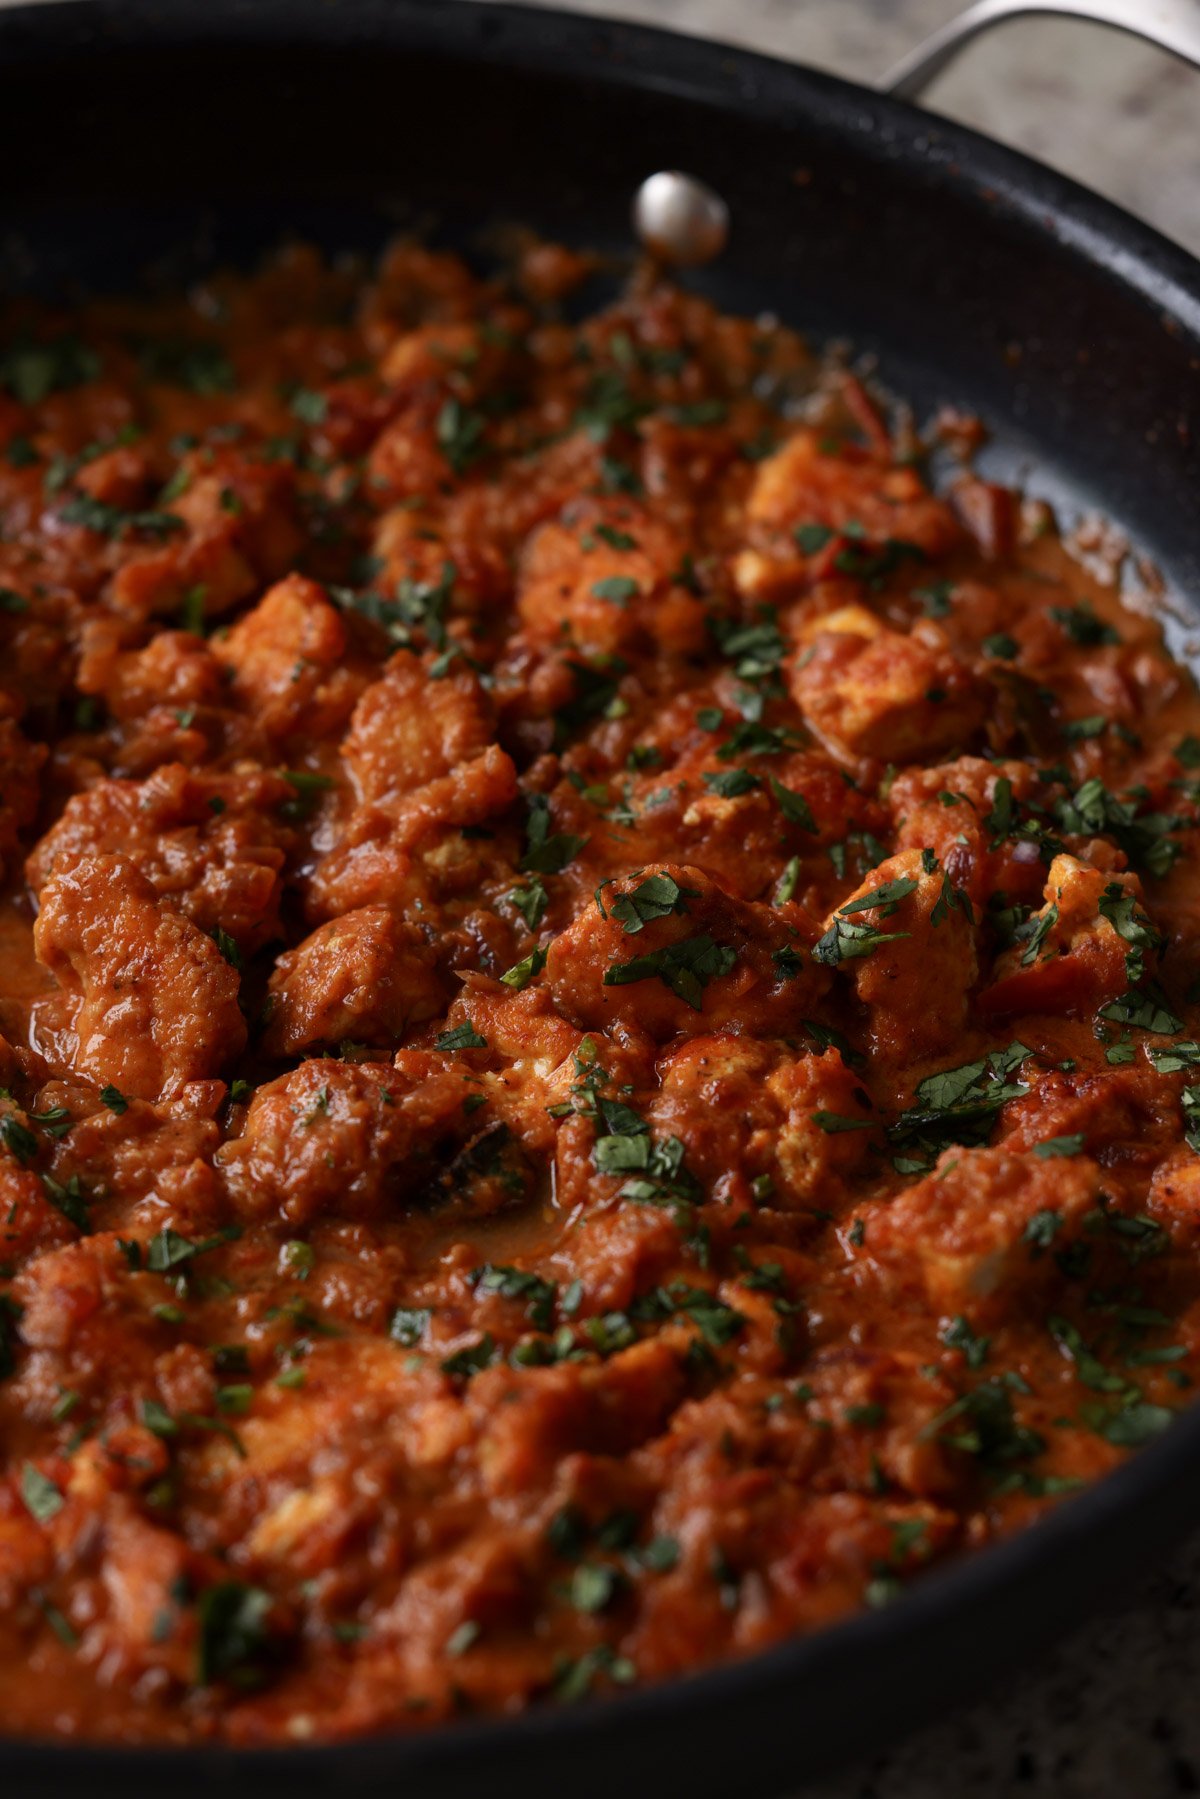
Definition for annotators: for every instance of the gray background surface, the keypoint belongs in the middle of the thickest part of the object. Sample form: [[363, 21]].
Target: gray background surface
[[1115, 1712]]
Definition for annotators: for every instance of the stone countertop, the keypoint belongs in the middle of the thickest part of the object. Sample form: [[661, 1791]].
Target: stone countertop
[[1112, 1713]]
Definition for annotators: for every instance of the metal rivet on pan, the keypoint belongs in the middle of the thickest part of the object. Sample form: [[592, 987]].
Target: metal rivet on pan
[[679, 219]]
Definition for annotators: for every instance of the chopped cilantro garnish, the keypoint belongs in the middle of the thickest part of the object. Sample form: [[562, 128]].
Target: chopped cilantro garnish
[[1043, 924], [167, 1249], [575, 1679], [309, 406], [731, 783], [68, 1198], [874, 563], [18, 1138], [1059, 1146], [794, 806], [408, 1325], [594, 1585], [1042, 1228], [617, 589], [521, 973], [985, 1425], [459, 434], [1093, 811], [463, 1637], [227, 946], [109, 521], [471, 1359], [1000, 646], [1082, 625], [546, 853], [958, 1105], [657, 896], [1144, 1010], [233, 1638], [616, 540], [31, 370], [463, 1036], [833, 1122], [789, 880], [539, 1296], [42, 1498], [756, 650], [846, 940], [935, 598], [886, 897], [202, 368], [685, 967], [959, 1335], [530, 901]]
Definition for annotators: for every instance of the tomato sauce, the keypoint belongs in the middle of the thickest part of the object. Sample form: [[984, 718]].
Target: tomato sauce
[[599, 1002]]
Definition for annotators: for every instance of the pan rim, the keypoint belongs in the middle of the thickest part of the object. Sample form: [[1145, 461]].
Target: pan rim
[[1118, 247]]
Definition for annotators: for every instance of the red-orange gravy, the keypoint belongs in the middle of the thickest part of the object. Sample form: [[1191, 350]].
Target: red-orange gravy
[[599, 993]]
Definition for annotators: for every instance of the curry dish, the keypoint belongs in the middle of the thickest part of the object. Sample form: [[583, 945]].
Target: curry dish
[[599, 990]]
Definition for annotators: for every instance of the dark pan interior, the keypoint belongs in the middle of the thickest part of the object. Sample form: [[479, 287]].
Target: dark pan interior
[[169, 134]]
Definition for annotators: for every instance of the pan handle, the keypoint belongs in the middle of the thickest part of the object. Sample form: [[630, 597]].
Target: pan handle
[[1173, 24]]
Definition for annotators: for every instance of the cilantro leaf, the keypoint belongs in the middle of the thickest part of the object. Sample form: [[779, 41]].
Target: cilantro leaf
[[42, 1498], [463, 1036], [521, 973], [794, 806], [657, 896], [1052, 1147], [685, 967], [731, 783], [617, 589], [959, 1104], [546, 853], [233, 1637]]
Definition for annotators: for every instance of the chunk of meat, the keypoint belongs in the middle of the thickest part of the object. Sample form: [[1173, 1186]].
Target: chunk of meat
[[751, 1120], [239, 531], [407, 460], [531, 1418], [1127, 1119], [1074, 953], [143, 1625], [990, 512], [951, 809], [140, 1152], [21, 764], [974, 1233], [285, 662], [409, 729], [175, 669], [608, 578], [29, 1222], [1174, 1197], [912, 957], [353, 1140], [149, 1003], [804, 483], [616, 1253], [212, 846], [366, 977], [377, 860], [707, 962], [868, 691]]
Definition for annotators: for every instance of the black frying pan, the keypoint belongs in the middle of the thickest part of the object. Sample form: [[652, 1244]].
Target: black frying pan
[[177, 132]]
